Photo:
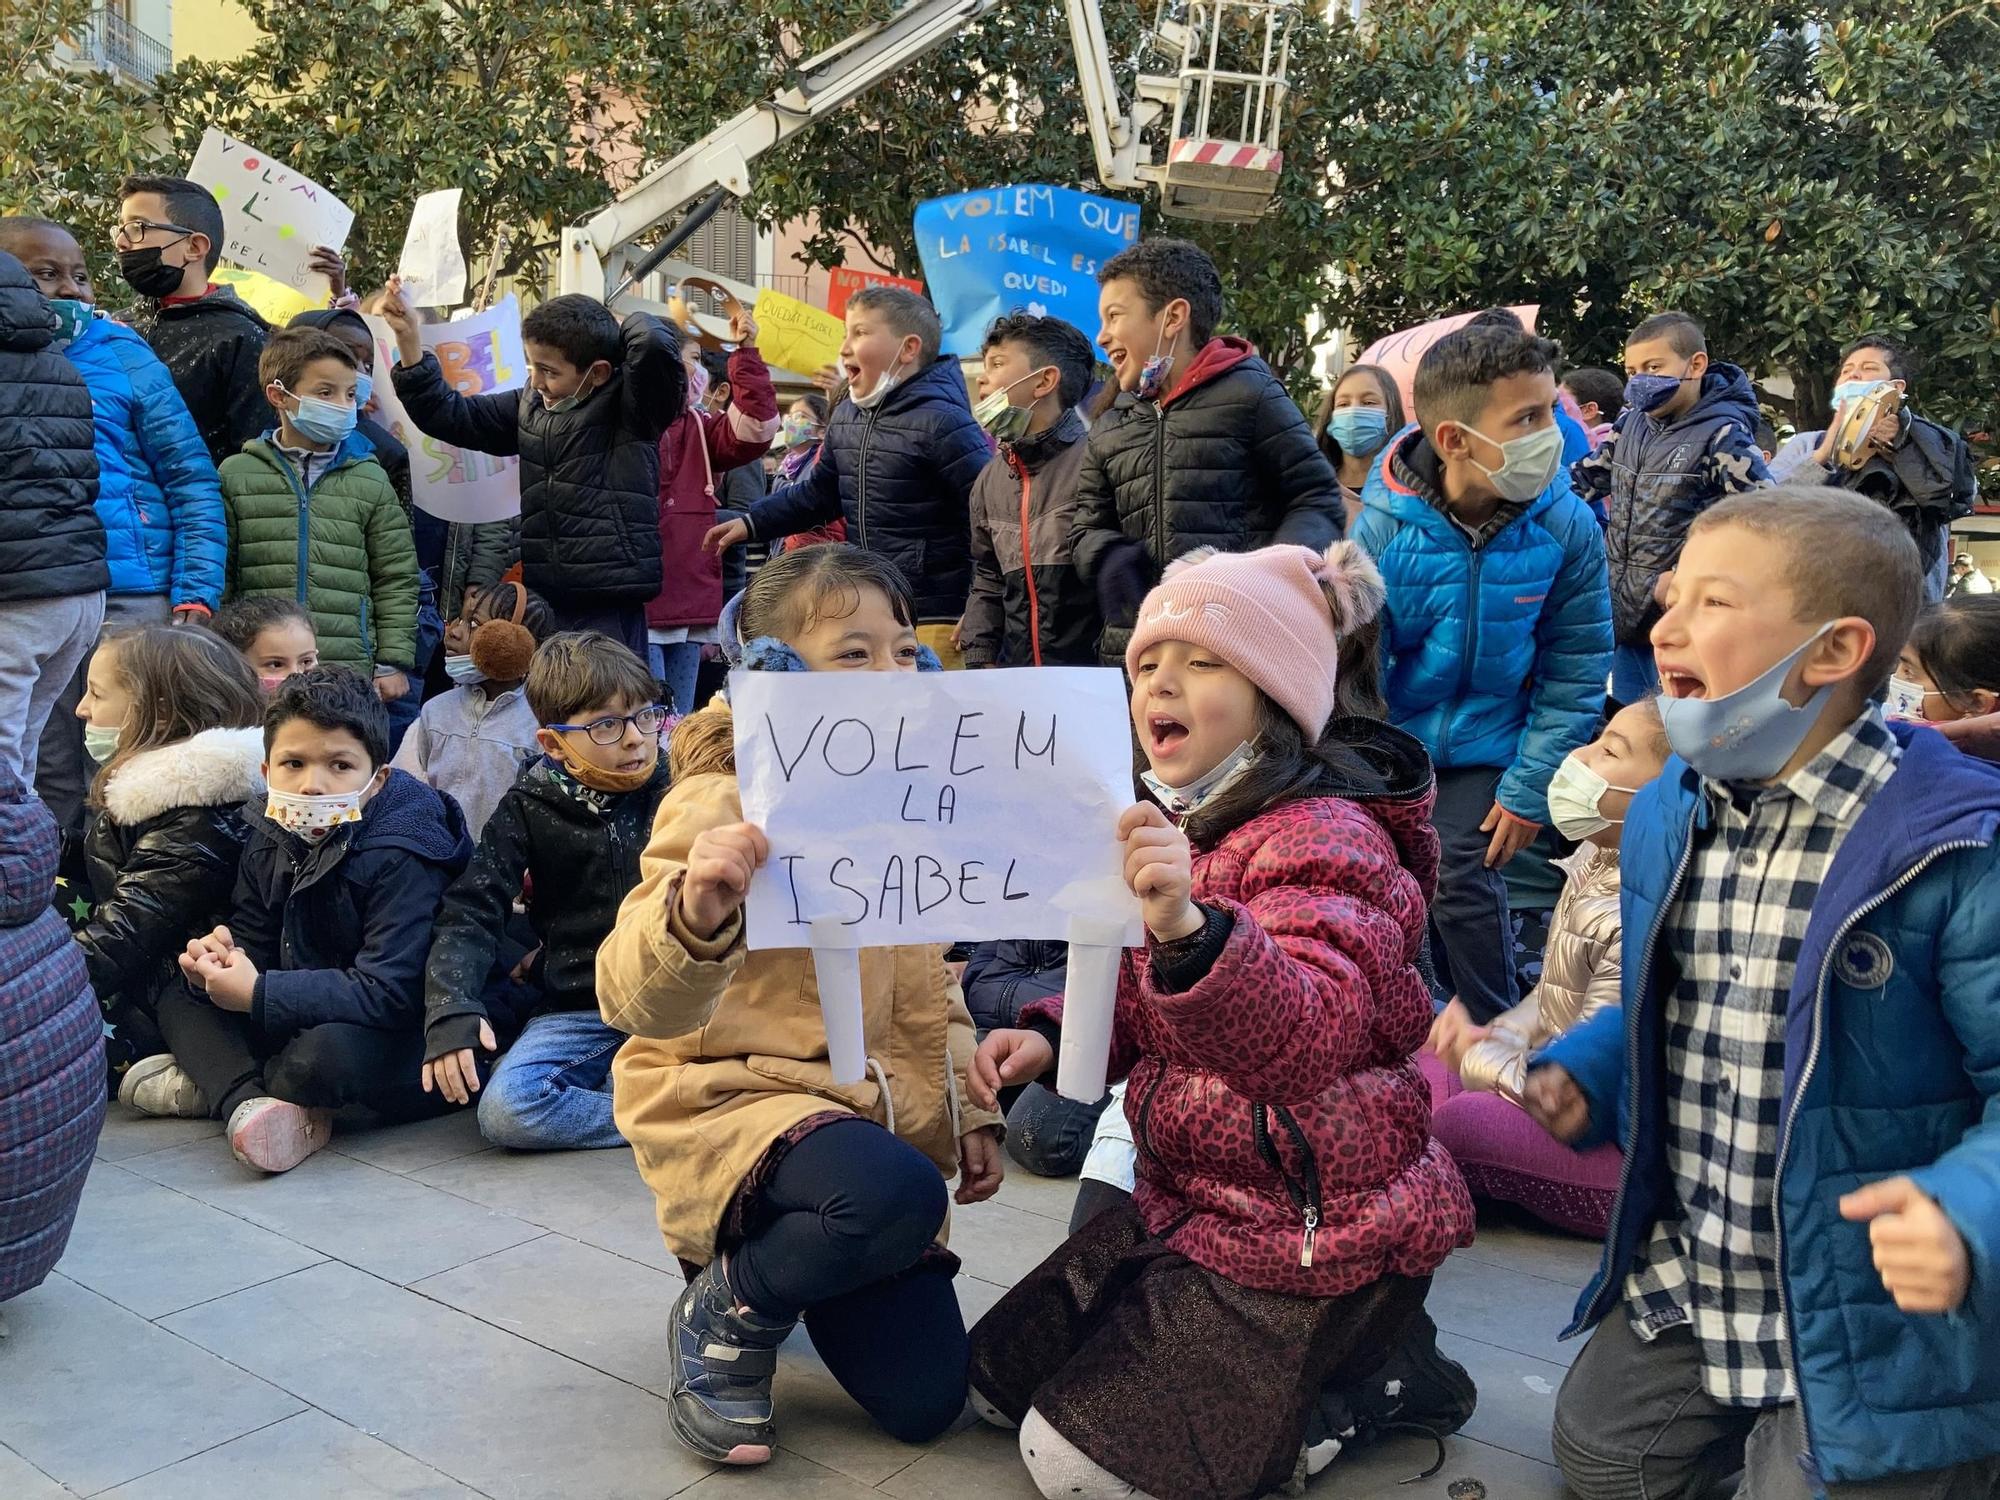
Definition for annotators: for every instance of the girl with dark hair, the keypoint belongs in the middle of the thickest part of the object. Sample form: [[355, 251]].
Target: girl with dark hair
[[1950, 669], [1356, 420]]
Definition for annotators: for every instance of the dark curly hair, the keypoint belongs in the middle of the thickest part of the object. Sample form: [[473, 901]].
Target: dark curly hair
[[336, 698], [1049, 341], [1170, 268]]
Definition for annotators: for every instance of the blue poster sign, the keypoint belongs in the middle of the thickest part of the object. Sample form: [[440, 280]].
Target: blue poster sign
[[1028, 248]]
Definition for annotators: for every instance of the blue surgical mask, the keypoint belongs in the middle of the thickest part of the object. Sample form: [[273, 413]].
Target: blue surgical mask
[[1852, 390], [364, 387], [1360, 430], [461, 670], [1182, 801], [320, 421], [1528, 463], [1749, 734], [1651, 392]]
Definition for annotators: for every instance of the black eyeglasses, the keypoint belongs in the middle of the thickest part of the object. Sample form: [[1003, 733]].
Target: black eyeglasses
[[131, 231], [609, 731]]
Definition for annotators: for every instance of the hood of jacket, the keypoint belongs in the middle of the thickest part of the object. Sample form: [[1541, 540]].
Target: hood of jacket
[[1399, 797], [221, 304], [704, 743], [940, 380], [216, 768], [1216, 357], [29, 852], [26, 324], [1726, 396]]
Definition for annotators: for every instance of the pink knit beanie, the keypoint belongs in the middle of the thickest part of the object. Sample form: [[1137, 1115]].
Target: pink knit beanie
[[1273, 614]]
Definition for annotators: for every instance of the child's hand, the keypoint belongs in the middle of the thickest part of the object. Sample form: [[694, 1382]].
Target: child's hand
[[980, 1169], [1454, 1033], [215, 945], [719, 867], [1159, 867], [1919, 1253], [402, 321], [1005, 1058], [1510, 835], [719, 539], [390, 686], [742, 327], [328, 262], [230, 979], [456, 1074], [1553, 1100]]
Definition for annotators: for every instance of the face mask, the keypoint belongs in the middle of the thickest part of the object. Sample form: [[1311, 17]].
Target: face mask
[[270, 685], [572, 401], [614, 783], [1575, 794], [1360, 430], [313, 818], [889, 380], [1153, 374], [998, 415], [100, 744], [147, 274], [1651, 392], [800, 430], [1181, 801], [1527, 463], [320, 421], [461, 670], [1852, 390], [72, 319], [364, 387], [697, 385], [1749, 734], [1906, 700]]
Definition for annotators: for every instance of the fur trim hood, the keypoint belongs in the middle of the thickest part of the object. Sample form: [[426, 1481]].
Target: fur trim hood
[[216, 768]]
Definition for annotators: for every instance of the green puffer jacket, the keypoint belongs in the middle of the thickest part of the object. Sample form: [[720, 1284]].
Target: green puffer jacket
[[343, 549]]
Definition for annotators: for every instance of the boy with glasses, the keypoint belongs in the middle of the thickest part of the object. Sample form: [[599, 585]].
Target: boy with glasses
[[572, 829]]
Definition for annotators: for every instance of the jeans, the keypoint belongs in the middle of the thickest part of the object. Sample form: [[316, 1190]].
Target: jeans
[[1634, 674], [63, 772], [551, 1090], [1472, 936], [1048, 1134], [43, 643], [677, 666]]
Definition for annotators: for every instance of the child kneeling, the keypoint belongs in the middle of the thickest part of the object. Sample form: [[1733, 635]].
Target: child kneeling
[[1290, 1205], [788, 1195]]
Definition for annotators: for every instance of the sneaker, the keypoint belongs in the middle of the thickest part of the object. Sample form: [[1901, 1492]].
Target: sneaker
[[156, 1086], [274, 1136], [1419, 1391], [723, 1360]]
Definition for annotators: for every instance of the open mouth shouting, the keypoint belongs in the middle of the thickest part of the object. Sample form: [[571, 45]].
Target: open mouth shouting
[[1164, 735], [1676, 682]]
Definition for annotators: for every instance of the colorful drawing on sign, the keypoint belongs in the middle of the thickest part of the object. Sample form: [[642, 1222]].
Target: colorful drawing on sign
[[272, 217], [795, 335], [842, 283], [480, 355], [1030, 248]]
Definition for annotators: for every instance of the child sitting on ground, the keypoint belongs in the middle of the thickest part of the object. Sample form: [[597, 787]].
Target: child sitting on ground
[[1950, 670], [572, 827], [785, 1194], [1504, 1155], [1799, 1277], [172, 715], [475, 740], [1290, 1204], [274, 635], [309, 1000]]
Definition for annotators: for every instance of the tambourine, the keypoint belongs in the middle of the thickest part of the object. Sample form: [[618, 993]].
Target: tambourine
[[697, 317], [1857, 420]]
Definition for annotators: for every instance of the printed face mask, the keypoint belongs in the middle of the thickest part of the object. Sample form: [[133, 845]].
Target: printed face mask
[[800, 430], [1182, 801], [72, 319], [1576, 793], [1360, 430], [1906, 700], [1527, 463], [320, 421], [1651, 392], [312, 818], [1153, 374], [998, 415], [1749, 734]]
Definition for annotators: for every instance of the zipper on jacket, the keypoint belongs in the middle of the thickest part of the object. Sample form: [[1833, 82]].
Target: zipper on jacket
[[1303, 1193], [1028, 569], [861, 482], [305, 524], [1471, 646], [1160, 485], [1140, 1122]]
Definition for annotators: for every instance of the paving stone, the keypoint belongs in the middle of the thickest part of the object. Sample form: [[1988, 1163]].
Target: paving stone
[[411, 1148], [21, 1480], [318, 1457], [566, 1191], [126, 1135], [980, 1463], [1002, 1244], [1517, 1396], [1499, 1305], [787, 1474]]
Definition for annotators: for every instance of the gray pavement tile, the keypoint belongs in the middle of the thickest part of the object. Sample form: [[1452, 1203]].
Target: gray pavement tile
[[493, 1411], [126, 1135], [1517, 1396], [1051, 1197], [21, 1480], [787, 1474], [1498, 1305], [1001, 1244], [389, 1225], [980, 1463], [156, 1251], [1378, 1472], [307, 1457], [597, 1308], [112, 1396], [566, 1191], [633, 1232], [411, 1148], [1508, 1241]]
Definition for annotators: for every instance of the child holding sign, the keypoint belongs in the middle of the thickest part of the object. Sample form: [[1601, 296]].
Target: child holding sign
[[1289, 1193], [786, 1194]]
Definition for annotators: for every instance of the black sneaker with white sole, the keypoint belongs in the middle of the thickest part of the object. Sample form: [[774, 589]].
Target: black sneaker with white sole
[[723, 1360]]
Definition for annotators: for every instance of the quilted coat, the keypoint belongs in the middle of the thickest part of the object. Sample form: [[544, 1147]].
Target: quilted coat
[[51, 1051], [1283, 1129], [1892, 1067], [211, 345], [157, 494], [899, 475], [343, 549], [1493, 655], [727, 1049]]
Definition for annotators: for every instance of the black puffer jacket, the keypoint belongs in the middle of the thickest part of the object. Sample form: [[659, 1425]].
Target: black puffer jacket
[[590, 476], [900, 476], [1226, 460], [1002, 979], [51, 542], [211, 347], [579, 851]]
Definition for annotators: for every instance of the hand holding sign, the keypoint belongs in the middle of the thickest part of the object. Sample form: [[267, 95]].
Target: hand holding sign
[[719, 866], [1159, 867]]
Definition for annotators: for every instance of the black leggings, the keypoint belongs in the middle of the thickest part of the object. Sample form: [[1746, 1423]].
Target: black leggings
[[841, 1233]]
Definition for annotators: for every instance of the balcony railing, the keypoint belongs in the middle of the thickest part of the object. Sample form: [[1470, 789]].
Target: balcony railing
[[112, 42]]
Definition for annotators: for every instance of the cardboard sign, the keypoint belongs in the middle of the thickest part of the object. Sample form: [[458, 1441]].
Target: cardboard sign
[[929, 807], [1399, 353], [795, 335], [432, 265], [273, 301], [842, 283], [1031, 248], [480, 353], [272, 217]]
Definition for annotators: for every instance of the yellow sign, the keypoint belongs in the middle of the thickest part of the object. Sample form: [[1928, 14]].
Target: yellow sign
[[273, 301], [795, 335]]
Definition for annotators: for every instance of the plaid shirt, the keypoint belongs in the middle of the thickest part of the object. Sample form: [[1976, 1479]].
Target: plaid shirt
[[1734, 935]]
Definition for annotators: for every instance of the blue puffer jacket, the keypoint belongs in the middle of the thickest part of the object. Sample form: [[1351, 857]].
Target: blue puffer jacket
[[1496, 655], [157, 493], [1892, 1066]]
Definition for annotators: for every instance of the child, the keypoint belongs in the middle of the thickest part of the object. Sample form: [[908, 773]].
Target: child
[[573, 827], [1029, 605], [1505, 1155], [475, 740], [784, 1193], [310, 1000], [274, 634], [1497, 629], [1362, 412], [1291, 1205], [1950, 670], [897, 463], [587, 429], [1203, 447], [1687, 438], [1801, 1255], [1600, 398], [172, 715], [169, 238], [804, 433], [312, 516]]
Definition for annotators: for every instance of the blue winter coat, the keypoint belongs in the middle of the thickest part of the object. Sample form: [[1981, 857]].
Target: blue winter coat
[[1494, 656], [1892, 1066], [157, 494]]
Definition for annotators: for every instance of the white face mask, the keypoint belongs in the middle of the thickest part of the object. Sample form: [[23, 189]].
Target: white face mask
[[312, 818], [1906, 700], [1575, 794], [1528, 463], [1181, 801]]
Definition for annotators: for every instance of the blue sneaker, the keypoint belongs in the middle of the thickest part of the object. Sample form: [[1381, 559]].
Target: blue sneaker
[[723, 1361]]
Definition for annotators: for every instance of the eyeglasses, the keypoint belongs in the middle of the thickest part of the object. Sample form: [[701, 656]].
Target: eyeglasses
[[609, 731], [131, 231]]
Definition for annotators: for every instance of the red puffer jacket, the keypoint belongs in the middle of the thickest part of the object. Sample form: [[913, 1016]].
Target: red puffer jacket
[[1279, 1092]]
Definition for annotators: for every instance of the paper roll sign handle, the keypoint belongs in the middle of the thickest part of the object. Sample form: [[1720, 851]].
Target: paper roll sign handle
[[837, 963], [1090, 999]]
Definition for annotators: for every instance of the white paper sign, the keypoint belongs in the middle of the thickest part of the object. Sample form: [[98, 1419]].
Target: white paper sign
[[480, 353], [272, 216], [930, 807], [433, 267]]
